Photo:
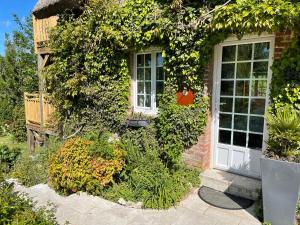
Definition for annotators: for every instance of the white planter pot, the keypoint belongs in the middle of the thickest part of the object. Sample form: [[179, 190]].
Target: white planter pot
[[280, 186]]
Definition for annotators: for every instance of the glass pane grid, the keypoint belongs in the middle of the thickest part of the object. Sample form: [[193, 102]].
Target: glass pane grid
[[250, 84]]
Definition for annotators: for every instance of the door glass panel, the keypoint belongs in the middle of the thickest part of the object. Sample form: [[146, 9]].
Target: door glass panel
[[262, 50], [244, 52], [243, 70], [226, 104], [229, 53], [242, 88], [225, 136], [260, 70], [257, 106], [228, 71], [259, 88], [241, 105], [225, 120], [239, 139], [240, 122], [255, 141], [227, 88], [256, 124]]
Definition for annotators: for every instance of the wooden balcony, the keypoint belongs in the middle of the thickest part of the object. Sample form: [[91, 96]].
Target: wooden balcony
[[41, 29], [39, 113]]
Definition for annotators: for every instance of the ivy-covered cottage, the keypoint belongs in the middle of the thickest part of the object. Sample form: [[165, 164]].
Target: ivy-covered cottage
[[218, 53]]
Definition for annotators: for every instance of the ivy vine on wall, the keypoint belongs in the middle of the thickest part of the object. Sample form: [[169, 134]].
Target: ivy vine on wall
[[90, 76]]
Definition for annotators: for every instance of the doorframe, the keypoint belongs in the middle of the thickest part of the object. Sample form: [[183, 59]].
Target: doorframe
[[233, 40]]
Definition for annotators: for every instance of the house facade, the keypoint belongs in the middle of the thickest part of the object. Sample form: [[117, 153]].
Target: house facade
[[237, 81]]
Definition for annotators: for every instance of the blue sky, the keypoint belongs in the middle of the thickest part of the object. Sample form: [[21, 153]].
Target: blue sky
[[7, 8]]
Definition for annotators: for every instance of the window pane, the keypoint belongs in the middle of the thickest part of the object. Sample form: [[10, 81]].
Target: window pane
[[259, 88], [244, 52], [226, 104], [228, 71], [148, 60], [229, 53], [243, 70], [260, 70], [257, 106], [148, 101], [159, 87], [255, 141], [159, 59], [242, 88], [227, 88], [262, 50], [140, 88], [225, 136], [148, 87], [159, 73], [148, 74], [140, 100], [240, 122], [140, 60], [241, 105], [239, 139], [140, 74], [256, 124], [225, 121]]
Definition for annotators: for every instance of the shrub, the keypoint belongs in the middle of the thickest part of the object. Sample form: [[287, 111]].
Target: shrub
[[17, 209], [8, 157], [146, 175], [73, 169], [179, 127], [284, 133], [18, 126], [32, 170]]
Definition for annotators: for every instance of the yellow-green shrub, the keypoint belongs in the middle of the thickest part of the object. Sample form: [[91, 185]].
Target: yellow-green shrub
[[72, 169]]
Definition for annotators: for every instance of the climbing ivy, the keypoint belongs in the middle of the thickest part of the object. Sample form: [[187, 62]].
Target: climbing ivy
[[285, 86], [90, 76]]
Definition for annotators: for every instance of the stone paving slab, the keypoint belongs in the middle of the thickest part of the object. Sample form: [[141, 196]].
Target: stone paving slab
[[83, 209]]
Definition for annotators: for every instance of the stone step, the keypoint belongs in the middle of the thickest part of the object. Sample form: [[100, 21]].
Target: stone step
[[231, 183]]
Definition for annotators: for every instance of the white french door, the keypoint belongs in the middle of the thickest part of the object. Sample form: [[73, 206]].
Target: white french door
[[241, 89]]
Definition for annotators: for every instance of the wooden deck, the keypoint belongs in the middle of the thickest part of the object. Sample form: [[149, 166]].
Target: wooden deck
[[39, 119], [41, 28], [38, 112]]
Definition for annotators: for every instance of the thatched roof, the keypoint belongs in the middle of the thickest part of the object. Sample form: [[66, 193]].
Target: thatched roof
[[47, 8]]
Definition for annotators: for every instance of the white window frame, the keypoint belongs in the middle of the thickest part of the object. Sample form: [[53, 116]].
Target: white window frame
[[153, 110]]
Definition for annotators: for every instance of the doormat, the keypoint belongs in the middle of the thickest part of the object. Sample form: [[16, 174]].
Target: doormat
[[223, 200]]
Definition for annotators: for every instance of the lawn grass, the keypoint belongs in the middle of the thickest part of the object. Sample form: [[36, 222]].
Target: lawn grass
[[10, 142]]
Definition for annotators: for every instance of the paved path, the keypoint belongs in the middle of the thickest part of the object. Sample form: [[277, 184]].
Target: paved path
[[83, 209]]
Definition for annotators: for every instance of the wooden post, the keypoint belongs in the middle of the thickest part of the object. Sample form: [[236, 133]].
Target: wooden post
[[30, 141]]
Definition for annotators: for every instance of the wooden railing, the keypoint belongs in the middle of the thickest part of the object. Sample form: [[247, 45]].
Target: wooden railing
[[41, 28], [38, 110]]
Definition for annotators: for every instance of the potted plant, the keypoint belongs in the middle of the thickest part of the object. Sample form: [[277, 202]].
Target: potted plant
[[280, 167], [137, 120]]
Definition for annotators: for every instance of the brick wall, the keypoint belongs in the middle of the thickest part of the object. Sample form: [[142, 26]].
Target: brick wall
[[200, 154]]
